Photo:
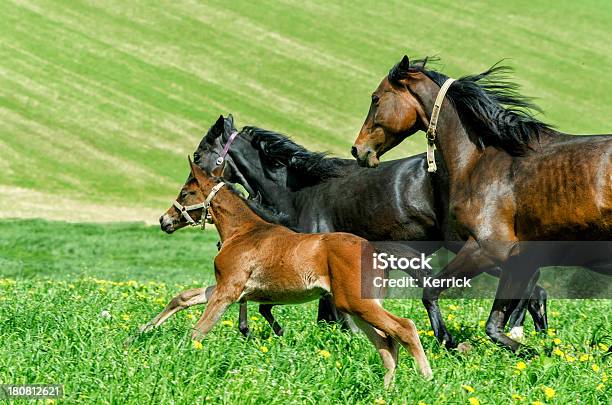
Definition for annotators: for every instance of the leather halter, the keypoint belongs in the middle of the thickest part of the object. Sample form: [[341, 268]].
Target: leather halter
[[226, 148], [433, 123], [184, 210]]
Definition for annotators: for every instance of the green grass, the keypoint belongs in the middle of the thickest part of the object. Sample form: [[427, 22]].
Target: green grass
[[56, 278], [103, 100]]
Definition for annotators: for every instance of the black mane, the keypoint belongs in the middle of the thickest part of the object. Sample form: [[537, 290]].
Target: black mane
[[490, 105], [265, 212], [313, 167]]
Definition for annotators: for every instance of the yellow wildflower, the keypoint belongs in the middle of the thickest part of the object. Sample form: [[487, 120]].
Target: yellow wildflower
[[558, 352], [584, 357], [521, 365], [197, 345], [450, 317], [549, 392], [603, 347], [551, 332], [324, 353], [557, 341], [517, 397], [537, 403], [191, 317], [125, 317], [430, 333], [599, 387], [473, 401], [453, 307], [227, 322], [570, 359], [481, 323], [421, 403], [595, 367], [254, 318], [379, 401], [263, 349], [468, 388]]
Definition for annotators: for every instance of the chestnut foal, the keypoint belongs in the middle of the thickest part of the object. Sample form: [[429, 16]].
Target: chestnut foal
[[269, 263]]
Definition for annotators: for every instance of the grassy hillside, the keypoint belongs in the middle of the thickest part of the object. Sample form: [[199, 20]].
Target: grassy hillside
[[52, 331], [102, 100]]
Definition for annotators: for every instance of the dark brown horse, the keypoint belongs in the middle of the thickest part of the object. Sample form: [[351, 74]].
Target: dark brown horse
[[264, 262], [512, 178]]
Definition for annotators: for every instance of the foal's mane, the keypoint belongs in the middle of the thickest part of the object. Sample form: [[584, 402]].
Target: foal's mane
[[265, 212], [313, 167], [490, 105]]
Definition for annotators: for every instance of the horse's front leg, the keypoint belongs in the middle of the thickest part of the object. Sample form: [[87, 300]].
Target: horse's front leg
[[243, 321], [469, 262], [515, 286]]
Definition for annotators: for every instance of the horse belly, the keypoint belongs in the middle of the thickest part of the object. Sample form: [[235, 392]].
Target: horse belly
[[287, 287]]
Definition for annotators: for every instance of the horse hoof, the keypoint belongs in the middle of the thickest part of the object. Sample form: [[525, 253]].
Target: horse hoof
[[516, 333], [464, 347], [448, 341], [279, 332], [246, 332]]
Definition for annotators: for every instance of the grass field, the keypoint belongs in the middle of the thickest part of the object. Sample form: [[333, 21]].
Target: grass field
[[102, 100], [58, 278]]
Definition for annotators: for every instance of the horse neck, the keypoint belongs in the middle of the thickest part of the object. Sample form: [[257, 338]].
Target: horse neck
[[452, 142], [231, 214], [278, 197]]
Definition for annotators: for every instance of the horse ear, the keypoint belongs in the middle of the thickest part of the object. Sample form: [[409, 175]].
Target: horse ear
[[196, 171], [404, 63], [219, 126], [229, 121]]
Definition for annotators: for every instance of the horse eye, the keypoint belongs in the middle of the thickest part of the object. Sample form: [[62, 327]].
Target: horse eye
[[196, 156], [375, 99]]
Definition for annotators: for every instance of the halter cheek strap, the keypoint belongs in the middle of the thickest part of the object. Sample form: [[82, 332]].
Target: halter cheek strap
[[433, 123], [226, 148], [204, 205]]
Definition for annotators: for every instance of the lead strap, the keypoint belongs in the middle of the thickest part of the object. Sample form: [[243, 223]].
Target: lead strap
[[433, 123]]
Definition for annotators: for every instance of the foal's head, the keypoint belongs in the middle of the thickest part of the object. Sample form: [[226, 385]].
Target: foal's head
[[194, 192]]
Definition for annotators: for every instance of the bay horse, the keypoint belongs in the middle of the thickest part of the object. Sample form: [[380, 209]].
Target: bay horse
[[512, 178], [265, 262], [311, 192]]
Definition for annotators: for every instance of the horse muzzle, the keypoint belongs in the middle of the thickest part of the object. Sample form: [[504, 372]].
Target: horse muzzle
[[365, 156], [166, 223]]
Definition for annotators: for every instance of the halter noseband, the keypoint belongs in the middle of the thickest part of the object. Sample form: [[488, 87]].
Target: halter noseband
[[226, 148], [184, 210], [433, 122]]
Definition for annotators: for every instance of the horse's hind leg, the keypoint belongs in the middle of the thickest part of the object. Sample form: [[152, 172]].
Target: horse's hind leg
[[537, 308], [181, 301], [401, 329], [387, 348], [266, 311]]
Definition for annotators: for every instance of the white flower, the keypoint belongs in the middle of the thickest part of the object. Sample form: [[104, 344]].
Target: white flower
[[105, 314]]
